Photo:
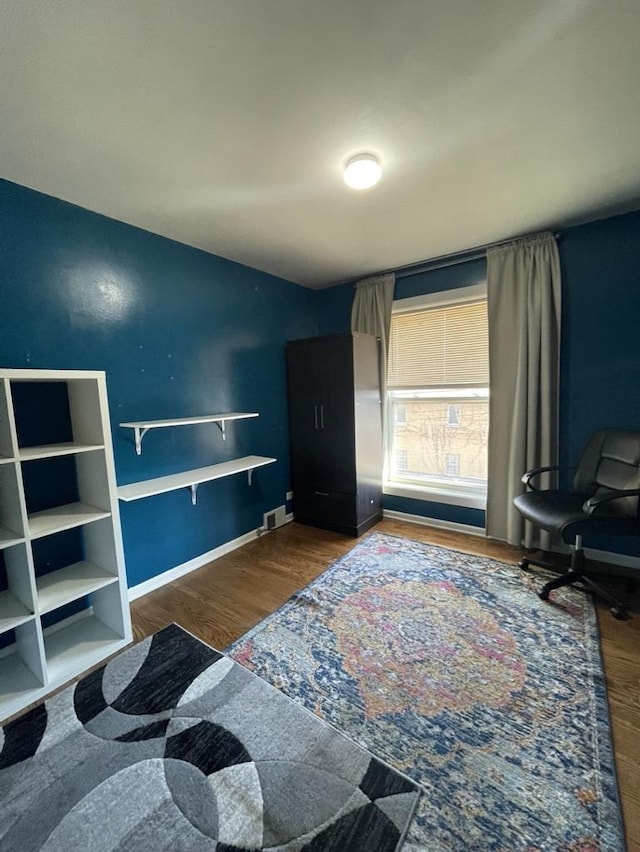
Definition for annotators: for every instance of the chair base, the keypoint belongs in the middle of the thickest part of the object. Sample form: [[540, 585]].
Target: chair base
[[575, 575]]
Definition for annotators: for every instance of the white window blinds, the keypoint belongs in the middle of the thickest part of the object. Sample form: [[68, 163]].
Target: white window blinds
[[440, 347]]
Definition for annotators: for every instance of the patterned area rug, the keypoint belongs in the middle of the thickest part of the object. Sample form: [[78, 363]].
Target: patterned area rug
[[449, 667], [173, 746]]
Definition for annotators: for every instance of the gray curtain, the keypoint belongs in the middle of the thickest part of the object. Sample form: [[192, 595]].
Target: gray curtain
[[524, 297], [371, 314]]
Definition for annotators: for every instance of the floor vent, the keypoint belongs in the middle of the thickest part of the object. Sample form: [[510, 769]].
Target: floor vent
[[274, 518]]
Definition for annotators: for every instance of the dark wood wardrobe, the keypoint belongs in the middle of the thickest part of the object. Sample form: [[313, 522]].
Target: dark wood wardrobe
[[335, 431]]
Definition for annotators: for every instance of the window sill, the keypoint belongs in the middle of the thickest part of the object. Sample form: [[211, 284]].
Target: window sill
[[470, 498]]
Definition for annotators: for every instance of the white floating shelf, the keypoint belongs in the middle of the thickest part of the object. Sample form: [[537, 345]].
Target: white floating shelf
[[77, 646], [12, 612], [6, 459], [70, 583], [191, 478], [51, 450], [63, 518], [141, 427]]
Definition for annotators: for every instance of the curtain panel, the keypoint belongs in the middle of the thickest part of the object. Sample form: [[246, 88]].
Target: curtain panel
[[524, 304], [371, 314]]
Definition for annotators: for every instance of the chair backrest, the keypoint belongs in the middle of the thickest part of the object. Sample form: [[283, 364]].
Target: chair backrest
[[611, 461]]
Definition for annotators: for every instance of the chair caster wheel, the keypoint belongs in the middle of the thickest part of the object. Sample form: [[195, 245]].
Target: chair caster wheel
[[544, 595], [619, 612], [523, 564]]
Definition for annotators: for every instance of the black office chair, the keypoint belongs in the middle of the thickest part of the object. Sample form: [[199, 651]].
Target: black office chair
[[603, 501]]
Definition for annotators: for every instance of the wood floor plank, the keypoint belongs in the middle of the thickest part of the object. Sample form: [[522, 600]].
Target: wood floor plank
[[224, 599]]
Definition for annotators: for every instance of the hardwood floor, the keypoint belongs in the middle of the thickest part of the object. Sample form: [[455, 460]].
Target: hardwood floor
[[222, 600]]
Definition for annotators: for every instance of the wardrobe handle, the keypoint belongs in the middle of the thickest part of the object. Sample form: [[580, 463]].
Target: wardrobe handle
[[315, 415], [322, 416]]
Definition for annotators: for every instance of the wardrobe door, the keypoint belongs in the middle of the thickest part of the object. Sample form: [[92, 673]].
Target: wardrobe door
[[337, 418], [304, 412]]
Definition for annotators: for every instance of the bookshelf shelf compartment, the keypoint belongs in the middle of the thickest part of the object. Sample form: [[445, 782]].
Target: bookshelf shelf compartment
[[62, 518], [8, 538], [79, 645], [12, 612], [70, 583], [17, 683]]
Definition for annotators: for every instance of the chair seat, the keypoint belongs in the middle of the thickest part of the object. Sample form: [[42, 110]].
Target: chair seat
[[561, 511]]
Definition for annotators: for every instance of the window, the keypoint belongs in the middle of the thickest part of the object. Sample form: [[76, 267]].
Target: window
[[452, 464], [453, 415], [400, 414], [438, 378]]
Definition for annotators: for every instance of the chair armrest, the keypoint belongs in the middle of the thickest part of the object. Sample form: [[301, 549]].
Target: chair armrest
[[528, 476], [593, 503]]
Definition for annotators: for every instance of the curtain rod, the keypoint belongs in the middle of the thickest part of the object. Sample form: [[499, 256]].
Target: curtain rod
[[452, 259]]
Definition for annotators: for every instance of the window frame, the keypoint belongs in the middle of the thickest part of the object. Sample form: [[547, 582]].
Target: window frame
[[468, 496]]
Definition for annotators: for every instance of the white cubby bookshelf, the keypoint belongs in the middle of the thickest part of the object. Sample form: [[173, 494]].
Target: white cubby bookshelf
[[63, 590]]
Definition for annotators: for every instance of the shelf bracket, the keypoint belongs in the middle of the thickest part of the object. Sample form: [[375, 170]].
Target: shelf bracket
[[221, 426], [249, 472], [140, 433], [194, 494]]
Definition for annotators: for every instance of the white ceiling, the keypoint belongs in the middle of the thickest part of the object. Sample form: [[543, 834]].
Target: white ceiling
[[224, 124]]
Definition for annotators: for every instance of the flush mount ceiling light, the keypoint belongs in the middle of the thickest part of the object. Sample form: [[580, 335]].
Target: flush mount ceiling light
[[362, 171]]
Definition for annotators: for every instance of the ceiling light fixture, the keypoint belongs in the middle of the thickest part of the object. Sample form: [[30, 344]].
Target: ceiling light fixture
[[362, 171]]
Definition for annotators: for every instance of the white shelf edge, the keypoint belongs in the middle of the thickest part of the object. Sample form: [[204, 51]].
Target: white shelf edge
[[9, 537], [12, 612], [6, 459], [61, 518], [70, 583], [186, 421], [191, 478], [46, 451], [141, 427], [28, 374]]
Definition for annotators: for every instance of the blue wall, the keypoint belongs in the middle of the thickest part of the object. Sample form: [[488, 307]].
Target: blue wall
[[179, 332], [600, 361], [182, 332], [600, 364]]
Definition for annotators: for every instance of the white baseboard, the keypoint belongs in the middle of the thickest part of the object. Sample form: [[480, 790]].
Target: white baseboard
[[621, 559], [609, 557], [433, 522], [180, 570], [172, 574], [197, 562]]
